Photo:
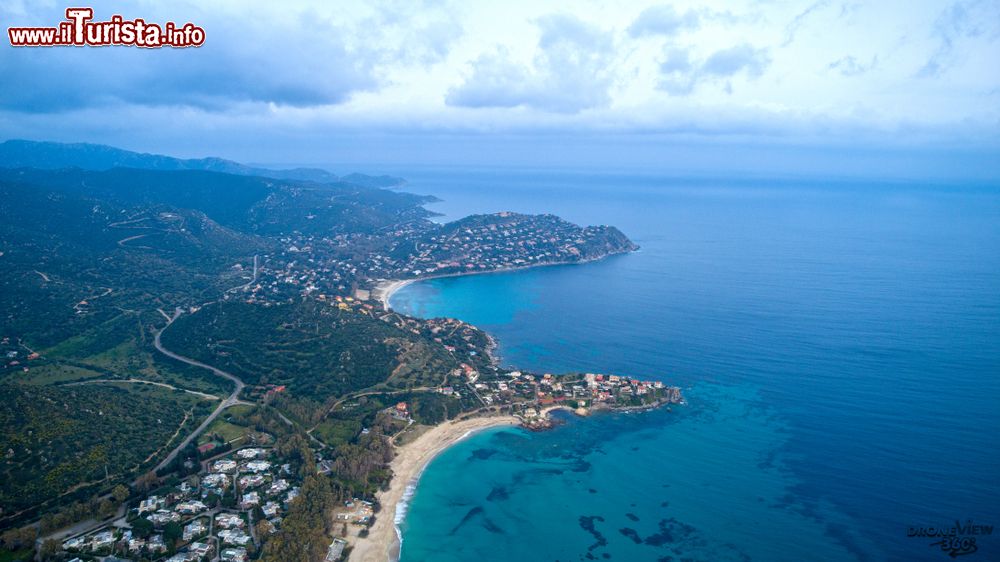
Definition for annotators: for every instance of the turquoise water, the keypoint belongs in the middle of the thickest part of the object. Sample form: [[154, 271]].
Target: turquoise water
[[839, 348]]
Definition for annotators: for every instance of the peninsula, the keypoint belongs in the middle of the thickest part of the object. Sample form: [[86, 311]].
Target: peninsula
[[281, 408]]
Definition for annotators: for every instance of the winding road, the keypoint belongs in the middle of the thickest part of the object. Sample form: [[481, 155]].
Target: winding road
[[86, 526], [232, 400]]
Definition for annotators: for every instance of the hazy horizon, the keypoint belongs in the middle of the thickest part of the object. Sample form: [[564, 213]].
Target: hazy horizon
[[894, 89]]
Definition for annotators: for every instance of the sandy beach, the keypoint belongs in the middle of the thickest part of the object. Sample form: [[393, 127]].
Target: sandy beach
[[382, 544], [384, 290]]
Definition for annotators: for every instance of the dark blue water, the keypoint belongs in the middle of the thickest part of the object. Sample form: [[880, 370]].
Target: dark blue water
[[840, 346]]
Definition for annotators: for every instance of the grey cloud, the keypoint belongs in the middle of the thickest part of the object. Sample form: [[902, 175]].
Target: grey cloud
[[569, 72], [303, 60], [242, 61], [663, 20]]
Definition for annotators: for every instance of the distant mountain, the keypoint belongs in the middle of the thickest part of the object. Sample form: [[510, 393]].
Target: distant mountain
[[54, 156]]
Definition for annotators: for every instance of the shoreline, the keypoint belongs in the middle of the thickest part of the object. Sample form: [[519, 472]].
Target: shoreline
[[384, 289], [383, 541]]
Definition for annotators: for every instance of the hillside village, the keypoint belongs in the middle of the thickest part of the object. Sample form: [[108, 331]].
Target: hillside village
[[349, 264], [277, 289], [223, 512], [217, 514]]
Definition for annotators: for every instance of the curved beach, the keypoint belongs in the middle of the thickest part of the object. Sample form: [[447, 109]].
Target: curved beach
[[382, 543], [384, 290]]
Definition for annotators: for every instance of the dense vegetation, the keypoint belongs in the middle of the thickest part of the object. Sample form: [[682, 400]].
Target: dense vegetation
[[98, 247], [305, 531], [55, 439], [314, 349]]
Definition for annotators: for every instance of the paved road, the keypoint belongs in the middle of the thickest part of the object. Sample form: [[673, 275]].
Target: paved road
[[251, 281], [141, 381], [89, 525], [232, 400]]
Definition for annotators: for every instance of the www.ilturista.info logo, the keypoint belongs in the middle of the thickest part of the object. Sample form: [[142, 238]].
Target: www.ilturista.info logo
[[78, 31], [954, 540]]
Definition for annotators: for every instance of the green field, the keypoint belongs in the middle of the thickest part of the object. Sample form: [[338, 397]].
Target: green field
[[225, 430], [337, 431], [55, 373]]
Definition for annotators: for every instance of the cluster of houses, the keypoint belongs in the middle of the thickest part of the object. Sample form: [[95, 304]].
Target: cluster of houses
[[330, 265], [218, 513], [531, 393], [13, 358], [608, 388], [499, 241]]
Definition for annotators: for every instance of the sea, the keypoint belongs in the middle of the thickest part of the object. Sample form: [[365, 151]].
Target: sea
[[837, 342]]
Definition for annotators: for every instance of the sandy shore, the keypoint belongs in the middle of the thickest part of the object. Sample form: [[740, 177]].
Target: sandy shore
[[384, 290], [382, 543]]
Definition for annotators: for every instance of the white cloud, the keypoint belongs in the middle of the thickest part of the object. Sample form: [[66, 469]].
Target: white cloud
[[850, 66], [712, 68], [663, 20], [569, 73], [967, 19]]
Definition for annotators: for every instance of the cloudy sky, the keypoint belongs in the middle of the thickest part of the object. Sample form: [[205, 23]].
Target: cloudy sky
[[531, 81]]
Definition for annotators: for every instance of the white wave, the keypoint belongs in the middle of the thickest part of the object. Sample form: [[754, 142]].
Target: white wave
[[404, 502]]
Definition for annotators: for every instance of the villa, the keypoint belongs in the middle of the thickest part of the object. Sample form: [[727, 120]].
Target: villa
[[247, 454]]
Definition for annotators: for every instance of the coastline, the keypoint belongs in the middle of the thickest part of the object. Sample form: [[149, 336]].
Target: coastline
[[383, 540], [384, 289]]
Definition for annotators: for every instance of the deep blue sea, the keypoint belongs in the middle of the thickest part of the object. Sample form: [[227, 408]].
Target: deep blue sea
[[838, 343]]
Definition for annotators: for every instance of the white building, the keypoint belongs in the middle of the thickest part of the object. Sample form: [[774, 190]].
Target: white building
[[224, 465], [247, 454], [258, 466], [234, 555], [229, 520]]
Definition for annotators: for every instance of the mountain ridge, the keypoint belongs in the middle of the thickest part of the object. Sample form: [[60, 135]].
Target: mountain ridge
[[46, 155]]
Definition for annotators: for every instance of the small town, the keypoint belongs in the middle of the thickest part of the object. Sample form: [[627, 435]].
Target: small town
[[327, 266], [240, 496], [218, 514], [531, 396]]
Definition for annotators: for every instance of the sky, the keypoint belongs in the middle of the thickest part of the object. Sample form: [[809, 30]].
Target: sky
[[898, 87]]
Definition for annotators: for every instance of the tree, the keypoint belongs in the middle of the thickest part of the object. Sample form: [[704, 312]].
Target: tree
[[142, 528], [172, 532], [16, 539], [263, 528], [146, 482], [120, 493], [304, 534], [212, 499], [49, 550], [107, 508]]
